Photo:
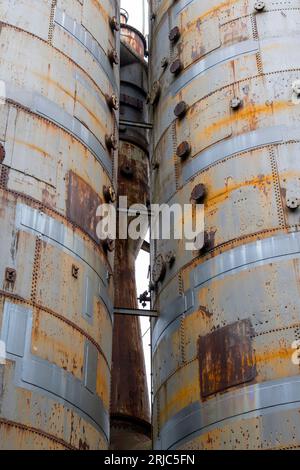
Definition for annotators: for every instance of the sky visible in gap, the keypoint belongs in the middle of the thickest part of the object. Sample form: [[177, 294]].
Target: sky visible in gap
[[135, 10]]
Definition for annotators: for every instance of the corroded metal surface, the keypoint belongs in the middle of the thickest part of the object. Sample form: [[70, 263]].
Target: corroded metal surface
[[130, 414], [55, 295], [230, 109]]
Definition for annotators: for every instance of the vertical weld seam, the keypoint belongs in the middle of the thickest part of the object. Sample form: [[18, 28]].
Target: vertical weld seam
[[275, 175], [177, 163], [51, 21], [182, 339]]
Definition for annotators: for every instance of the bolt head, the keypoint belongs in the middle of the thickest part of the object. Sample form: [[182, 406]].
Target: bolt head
[[181, 109], [259, 6], [114, 24], [176, 67], [109, 194], [293, 203], [235, 103], [159, 269], [113, 57], [112, 102], [174, 34], [198, 193], [183, 150], [109, 245], [111, 142], [126, 170]]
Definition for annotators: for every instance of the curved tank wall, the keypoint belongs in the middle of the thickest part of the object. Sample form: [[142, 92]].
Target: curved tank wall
[[57, 66], [225, 97]]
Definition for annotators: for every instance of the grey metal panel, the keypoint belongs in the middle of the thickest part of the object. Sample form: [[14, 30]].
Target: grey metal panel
[[14, 329], [58, 234], [196, 418], [87, 40], [32, 373], [46, 108], [90, 366], [88, 297]]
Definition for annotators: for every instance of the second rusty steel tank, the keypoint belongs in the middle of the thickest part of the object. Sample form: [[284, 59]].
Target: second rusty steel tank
[[130, 413], [59, 72], [226, 89]]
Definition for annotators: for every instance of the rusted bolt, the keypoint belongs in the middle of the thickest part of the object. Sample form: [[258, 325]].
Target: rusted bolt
[[10, 275], [153, 17], [108, 245], [155, 92], [2, 153], [208, 242], [114, 24], [293, 203], [198, 193], [170, 258], [181, 109], [259, 6], [296, 87], [111, 142], [113, 57], [159, 269], [174, 34], [109, 194], [127, 170], [176, 67], [75, 271], [112, 102], [235, 103], [183, 150], [164, 62]]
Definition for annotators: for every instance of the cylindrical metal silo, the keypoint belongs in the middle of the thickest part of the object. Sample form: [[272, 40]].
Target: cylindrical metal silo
[[226, 129], [57, 67], [130, 413]]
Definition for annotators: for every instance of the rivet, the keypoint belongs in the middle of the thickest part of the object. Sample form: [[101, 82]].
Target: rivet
[[113, 57], [183, 150], [235, 103], [109, 194], [198, 193], [111, 142], [176, 67], [174, 34], [75, 271], [112, 102], [108, 245], [2, 153], [259, 6], [114, 24], [181, 109]]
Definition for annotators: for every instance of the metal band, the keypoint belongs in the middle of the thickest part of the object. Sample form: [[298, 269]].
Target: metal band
[[84, 37], [33, 373], [228, 147], [40, 105], [199, 418], [59, 235], [240, 258]]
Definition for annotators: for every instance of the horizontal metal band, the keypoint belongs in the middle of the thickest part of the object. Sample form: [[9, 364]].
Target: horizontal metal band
[[240, 258], [195, 419], [58, 234], [212, 60], [39, 375], [82, 35], [238, 144], [40, 105]]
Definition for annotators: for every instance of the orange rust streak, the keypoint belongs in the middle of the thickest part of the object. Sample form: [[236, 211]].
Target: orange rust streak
[[100, 8], [211, 11], [245, 113], [31, 147]]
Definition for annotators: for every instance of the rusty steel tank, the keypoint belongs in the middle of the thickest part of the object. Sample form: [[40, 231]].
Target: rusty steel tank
[[226, 89], [130, 414], [58, 66]]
